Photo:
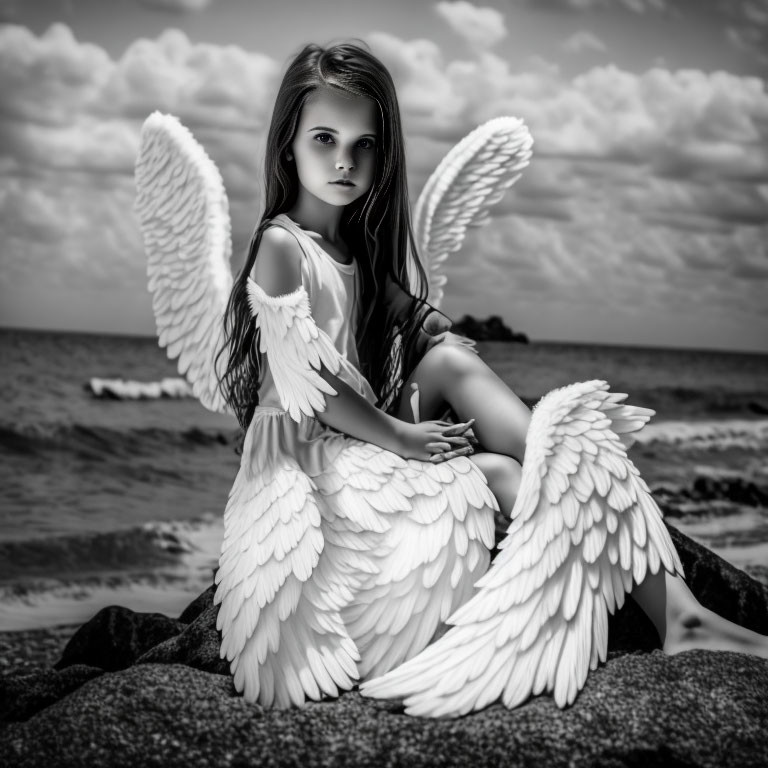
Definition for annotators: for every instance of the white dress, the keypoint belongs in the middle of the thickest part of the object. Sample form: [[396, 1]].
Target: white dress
[[340, 559]]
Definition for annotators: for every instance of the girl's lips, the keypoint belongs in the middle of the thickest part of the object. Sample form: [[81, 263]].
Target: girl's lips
[[343, 183]]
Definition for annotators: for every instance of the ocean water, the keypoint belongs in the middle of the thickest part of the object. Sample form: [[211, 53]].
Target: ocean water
[[120, 501]]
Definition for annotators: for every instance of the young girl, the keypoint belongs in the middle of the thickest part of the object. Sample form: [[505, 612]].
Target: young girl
[[353, 529]]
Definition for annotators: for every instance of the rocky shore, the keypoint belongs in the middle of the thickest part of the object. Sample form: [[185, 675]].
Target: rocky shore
[[716, 495], [132, 689]]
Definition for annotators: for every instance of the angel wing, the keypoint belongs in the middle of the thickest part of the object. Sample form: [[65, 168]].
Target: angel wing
[[296, 349], [436, 523], [471, 178], [280, 587], [184, 215], [584, 527], [281, 583]]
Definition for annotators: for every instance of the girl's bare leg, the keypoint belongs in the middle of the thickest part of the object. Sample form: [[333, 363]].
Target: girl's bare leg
[[683, 623], [456, 376]]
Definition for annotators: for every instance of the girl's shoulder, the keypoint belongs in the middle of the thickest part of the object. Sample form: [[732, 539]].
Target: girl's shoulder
[[282, 222], [277, 269], [277, 231], [287, 237]]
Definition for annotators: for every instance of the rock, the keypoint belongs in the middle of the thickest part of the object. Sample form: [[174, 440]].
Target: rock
[[115, 637], [203, 601], [21, 697], [492, 329], [694, 709], [711, 496], [176, 706], [736, 489], [197, 646]]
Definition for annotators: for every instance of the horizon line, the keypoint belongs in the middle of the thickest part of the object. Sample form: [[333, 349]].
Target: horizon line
[[532, 341]]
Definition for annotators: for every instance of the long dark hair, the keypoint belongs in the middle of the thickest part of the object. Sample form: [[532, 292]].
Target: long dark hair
[[376, 229]]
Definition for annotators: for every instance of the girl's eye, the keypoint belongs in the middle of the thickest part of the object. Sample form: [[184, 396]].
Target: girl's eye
[[324, 138], [365, 143]]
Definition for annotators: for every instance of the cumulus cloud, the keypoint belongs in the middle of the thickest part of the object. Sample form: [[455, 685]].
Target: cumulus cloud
[[69, 132], [582, 41], [647, 194], [481, 27], [685, 123]]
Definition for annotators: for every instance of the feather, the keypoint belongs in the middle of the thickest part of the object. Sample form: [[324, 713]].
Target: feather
[[295, 347], [183, 212], [272, 612], [546, 596], [471, 178]]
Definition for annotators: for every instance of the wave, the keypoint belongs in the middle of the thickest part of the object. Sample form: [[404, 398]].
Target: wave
[[73, 604], [705, 401], [120, 389], [676, 400], [31, 438], [63, 579], [707, 435], [147, 546], [712, 497]]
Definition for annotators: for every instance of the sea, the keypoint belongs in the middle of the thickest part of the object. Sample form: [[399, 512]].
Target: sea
[[118, 499]]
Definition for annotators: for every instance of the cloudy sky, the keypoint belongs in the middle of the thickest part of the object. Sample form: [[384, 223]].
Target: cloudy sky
[[642, 219]]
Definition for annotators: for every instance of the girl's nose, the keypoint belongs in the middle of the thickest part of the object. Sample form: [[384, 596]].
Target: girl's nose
[[345, 162]]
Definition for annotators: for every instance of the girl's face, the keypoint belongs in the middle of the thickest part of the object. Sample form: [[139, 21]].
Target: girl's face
[[336, 140]]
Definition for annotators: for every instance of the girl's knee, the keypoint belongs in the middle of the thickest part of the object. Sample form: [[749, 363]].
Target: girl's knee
[[500, 469], [450, 359]]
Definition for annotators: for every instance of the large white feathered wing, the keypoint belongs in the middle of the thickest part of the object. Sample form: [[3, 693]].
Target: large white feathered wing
[[281, 582], [584, 527], [436, 530], [184, 215], [295, 347], [471, 178], [280, 589]]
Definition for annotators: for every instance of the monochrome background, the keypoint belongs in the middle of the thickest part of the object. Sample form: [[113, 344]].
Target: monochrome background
[[642, 219], [634, 249]]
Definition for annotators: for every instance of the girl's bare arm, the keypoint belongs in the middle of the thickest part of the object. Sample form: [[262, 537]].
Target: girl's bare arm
[[277, 270], [351, 413]]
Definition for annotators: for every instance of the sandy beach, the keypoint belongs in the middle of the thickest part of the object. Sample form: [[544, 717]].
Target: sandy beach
[[22, 653]]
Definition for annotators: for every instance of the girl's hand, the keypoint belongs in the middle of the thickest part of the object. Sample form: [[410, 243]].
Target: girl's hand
[[448, 337], [436, 441]]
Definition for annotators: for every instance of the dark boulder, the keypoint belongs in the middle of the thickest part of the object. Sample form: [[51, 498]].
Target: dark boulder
[[115, 637], [21, 697], [176, 704], [196, 646]]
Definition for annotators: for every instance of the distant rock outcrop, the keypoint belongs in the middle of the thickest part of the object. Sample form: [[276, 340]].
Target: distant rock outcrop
[[492, 329]]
